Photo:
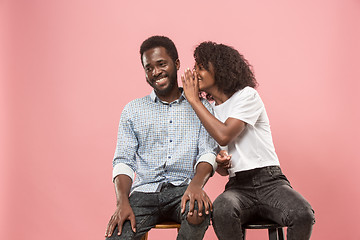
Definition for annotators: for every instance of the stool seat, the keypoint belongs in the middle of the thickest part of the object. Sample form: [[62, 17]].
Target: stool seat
[[275, 230], [261, 225], [165, 225]]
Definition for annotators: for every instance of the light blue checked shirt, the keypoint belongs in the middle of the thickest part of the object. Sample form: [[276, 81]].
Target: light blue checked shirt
[[161, 142]]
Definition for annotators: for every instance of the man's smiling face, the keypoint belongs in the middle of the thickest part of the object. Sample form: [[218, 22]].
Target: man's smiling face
[[160, 70]]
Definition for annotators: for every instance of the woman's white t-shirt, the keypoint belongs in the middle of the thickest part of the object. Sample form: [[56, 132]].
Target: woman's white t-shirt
[[254, 147]]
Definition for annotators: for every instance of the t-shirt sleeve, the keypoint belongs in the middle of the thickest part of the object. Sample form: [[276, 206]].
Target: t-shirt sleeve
[[246, 106]]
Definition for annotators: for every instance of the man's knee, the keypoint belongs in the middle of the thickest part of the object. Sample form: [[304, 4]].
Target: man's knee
[[126, 232], [195, 219]]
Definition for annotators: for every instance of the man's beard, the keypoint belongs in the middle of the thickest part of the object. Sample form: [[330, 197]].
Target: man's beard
[[163, 92]]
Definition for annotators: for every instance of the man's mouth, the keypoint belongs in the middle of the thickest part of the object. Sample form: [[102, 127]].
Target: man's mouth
[[161, 81]]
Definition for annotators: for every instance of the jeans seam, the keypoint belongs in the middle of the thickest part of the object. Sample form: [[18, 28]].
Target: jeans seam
[[141, 223], [286, 215]]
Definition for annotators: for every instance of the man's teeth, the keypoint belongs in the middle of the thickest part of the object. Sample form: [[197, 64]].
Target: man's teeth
[[161, 80]]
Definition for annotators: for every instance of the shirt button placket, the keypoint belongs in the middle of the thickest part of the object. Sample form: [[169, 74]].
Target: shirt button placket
[[170, 132]]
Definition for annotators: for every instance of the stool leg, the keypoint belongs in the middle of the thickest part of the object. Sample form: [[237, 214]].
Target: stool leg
[[280, 233], [273, 234], [145, 237], [243, 232]]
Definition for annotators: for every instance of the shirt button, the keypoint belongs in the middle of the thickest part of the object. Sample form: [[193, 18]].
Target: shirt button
[[170, 121], [170, 140], [169, 157]]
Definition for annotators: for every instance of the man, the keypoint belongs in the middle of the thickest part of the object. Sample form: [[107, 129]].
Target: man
[[161, 140]]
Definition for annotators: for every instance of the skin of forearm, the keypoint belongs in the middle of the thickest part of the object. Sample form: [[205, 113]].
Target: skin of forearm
[[218, 130], [122, 188], [202, 175]]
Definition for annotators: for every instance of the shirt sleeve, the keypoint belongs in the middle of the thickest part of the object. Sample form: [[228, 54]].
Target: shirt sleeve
[[247, 106], [207, 145], [125, 153]]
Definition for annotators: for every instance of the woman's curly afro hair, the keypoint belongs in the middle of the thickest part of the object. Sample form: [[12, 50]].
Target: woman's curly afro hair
[[232, 71]]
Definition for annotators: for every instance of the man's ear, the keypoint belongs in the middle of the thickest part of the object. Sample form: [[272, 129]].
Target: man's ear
[[177, 64]]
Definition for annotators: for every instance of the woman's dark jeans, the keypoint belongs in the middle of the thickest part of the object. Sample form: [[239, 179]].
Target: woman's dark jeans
[[261, 194], [153, 208]]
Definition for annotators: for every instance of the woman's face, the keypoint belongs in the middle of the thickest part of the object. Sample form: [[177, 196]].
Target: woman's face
[[206, 78]]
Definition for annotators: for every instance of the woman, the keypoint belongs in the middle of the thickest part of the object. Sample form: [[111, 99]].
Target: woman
[[256, 189]]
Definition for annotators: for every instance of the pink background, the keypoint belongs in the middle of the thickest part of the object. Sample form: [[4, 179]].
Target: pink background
[[68, 68]]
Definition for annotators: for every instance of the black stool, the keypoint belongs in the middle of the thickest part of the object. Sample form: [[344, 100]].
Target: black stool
[[275, 230]]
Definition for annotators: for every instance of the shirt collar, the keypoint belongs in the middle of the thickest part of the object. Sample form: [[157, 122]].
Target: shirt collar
[[155, 98]]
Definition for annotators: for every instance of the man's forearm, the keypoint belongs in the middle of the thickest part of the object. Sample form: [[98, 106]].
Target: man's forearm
[[123, 210], [122, 188], [202, 174]]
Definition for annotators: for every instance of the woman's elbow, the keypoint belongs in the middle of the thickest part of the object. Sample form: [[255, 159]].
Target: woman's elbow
[[225, 137], [223, 141]]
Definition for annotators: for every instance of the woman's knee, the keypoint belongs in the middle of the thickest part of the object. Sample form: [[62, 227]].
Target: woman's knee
[[302, 216], [223, 206]]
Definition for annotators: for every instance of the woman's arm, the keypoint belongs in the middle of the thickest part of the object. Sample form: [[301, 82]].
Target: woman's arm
[[223, 133]]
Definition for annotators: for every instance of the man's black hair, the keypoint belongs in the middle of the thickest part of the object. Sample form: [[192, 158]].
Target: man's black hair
[[159, 41]]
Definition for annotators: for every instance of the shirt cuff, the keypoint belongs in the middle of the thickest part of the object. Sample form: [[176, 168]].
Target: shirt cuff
[[122, 168], [209, 158]]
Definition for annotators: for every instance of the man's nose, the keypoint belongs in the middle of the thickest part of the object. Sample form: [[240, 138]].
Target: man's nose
[[157, 71]]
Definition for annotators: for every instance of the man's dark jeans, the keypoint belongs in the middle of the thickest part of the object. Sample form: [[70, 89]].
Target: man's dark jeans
[[263, 193], [153, 208]]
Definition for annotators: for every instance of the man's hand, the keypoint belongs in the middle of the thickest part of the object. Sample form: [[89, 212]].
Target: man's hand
[[123, 212], [223, 159], [193, 193]]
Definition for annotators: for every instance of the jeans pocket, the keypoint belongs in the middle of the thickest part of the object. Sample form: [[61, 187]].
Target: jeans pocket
[[276, 174], [137, 198], [230, 183]]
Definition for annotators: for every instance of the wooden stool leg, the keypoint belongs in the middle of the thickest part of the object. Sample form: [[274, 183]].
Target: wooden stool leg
[[163, 225], [145, 237], [280, 233], [273, 234]]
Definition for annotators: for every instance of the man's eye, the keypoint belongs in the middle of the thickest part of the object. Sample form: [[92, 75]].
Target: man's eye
[[148, 69]]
